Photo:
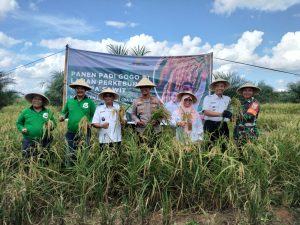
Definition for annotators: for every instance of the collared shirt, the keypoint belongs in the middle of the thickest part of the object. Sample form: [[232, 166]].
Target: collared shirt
[[215, 103], [142, 109], [111, 115], [34, 122], [75, 110], [171, 106]]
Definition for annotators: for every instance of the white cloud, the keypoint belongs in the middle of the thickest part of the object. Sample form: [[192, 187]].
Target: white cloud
[[33, 6], [7, 6], [58, 24], [128, 4], [8, 41], [119, 24], [30, 79], [229, 6]]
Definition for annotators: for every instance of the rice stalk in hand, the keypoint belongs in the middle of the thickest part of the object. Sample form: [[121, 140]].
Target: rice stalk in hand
[[83, 128], [47, 128], [160, 114]]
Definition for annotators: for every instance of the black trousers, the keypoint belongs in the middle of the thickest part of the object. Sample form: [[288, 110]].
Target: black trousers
[[215, 130]]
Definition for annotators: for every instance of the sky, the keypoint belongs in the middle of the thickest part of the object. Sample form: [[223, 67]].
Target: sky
[[260, 32]]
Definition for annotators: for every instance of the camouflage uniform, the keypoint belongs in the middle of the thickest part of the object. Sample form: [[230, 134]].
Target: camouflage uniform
[[245, 129]]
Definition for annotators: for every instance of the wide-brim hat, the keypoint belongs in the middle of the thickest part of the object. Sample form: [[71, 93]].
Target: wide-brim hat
[[256, 89], [145, 82], [110, 91], [80, 82], [30, 96], [181, 94], [212, 85]]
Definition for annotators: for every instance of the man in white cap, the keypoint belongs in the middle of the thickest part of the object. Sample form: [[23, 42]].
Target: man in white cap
[[76, 109], [34, 123], [217, 114], [144, 106], [106, 119]]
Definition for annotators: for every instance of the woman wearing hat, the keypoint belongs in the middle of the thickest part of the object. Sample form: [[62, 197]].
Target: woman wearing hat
[[106, 119], [186, 119], [144, 105], [215, 108], [245, 129], [34, 123], [76, 109]]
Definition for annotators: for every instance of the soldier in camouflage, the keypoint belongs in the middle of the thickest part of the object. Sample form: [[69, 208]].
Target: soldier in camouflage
[[245, 130]]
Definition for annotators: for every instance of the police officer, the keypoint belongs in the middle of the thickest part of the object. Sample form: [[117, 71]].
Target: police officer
[[217, 112], [144, 106]]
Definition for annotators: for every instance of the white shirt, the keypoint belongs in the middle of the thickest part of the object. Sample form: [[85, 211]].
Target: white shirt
[[215, 103], [197, 128], [171, 106], [104, 114]]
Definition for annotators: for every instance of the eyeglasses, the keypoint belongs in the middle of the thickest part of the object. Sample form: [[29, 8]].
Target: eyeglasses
[[188, 100]]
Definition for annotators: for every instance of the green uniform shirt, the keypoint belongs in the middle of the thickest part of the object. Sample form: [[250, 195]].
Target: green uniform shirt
[[34, 122], [74, 110]]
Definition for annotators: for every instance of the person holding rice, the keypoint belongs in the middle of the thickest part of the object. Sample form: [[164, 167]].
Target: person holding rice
[[109, 118], [35, 123], [245, 129], [217, 111], [79, 111], [186, 119], [143, 108]]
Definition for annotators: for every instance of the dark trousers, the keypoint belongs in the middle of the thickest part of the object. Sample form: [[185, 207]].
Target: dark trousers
[[29, 146], [215, 130], [75, 141]]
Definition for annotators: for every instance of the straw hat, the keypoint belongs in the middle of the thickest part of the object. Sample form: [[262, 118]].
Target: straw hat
[[80, 82], [145, 82], [110, 91], [248, 85], [30, 96], [212, 85], [179, 95]]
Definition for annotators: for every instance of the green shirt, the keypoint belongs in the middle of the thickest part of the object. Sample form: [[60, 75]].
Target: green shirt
[[34, 122], [75, 110]]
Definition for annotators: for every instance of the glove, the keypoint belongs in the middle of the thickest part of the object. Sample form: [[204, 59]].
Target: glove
[[227, 114]]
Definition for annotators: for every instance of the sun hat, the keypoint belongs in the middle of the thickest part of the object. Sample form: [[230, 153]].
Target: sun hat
[[30, 96], [212, 85], [108, 91], [80, 82], [256, 89], [145, 82], [180, 94]]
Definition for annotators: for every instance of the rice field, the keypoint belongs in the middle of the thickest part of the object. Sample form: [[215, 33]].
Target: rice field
[[165, 184]]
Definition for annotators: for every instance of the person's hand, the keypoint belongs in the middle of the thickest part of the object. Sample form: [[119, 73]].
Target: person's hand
[[227, 114], [140, 123], [61, 119], [105, 125], [24, 131], [181, 124]]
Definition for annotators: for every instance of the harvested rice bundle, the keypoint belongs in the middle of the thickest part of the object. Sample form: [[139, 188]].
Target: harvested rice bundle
[[83, 126], [47, 128], [160, 114]]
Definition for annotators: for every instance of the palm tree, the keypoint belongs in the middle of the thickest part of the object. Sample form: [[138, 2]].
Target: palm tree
[[123, 50], [6, 96]]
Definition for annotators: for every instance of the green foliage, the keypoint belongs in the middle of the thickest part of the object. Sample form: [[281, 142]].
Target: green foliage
[[7, 96], [294, 89], [234, 79], [266, 94], [55, 89], [123, 50]]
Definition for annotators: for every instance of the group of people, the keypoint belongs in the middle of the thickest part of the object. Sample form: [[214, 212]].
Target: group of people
[[37, 121]]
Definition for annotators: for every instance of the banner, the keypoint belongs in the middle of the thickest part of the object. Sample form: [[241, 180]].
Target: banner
[[121, 73]]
